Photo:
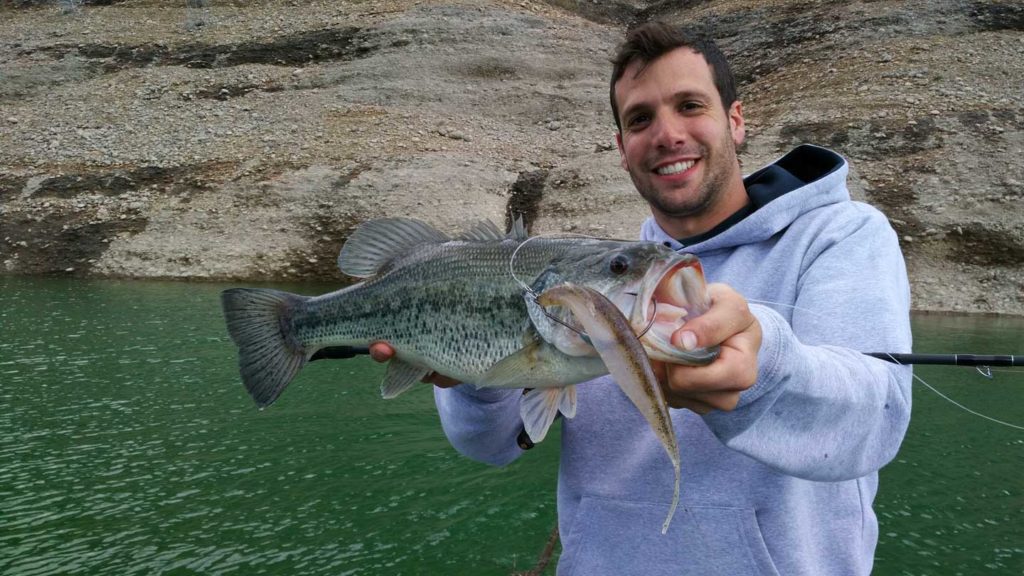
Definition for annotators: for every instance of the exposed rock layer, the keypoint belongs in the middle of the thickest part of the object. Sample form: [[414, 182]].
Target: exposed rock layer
[[245, 140]]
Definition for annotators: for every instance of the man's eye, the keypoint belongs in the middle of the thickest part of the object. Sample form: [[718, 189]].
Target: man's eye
[[637, 120]]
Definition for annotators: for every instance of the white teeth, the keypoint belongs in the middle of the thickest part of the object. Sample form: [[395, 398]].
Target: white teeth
[[675, 168]]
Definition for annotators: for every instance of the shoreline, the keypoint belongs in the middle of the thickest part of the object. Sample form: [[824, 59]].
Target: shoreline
[[342, 283]]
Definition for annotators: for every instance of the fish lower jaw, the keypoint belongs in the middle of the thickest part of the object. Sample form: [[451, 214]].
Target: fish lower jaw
[[672, 355], [657, 341], [657, 349]]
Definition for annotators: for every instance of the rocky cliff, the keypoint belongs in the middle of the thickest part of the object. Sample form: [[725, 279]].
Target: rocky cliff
[[245, 140]]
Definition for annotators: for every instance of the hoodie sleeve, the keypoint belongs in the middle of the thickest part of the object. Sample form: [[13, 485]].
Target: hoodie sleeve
[[820, 409], [481, 424]]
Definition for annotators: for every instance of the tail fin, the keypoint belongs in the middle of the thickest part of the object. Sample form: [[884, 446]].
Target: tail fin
[[269, 354]]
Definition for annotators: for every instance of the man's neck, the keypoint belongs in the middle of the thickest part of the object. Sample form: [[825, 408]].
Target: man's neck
[[686, 226]]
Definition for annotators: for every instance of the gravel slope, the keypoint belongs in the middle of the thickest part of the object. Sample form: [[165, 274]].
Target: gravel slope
[[246, 140]]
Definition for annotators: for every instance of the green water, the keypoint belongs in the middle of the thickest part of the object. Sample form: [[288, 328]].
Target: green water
[[128, 446], [952, 503]]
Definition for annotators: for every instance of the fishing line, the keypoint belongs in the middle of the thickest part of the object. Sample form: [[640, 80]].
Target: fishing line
[[987, 373], [533, 294], [512, 258], [984, 371], [530, 292], [957, 404], [1007, 371], [798, 308]]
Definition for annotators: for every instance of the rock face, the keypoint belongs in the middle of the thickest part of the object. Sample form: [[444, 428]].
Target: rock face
[[245, 140]]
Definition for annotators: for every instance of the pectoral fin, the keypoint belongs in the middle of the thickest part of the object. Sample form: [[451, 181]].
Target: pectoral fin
[[513, 370], [626, 360], [400, 377], [539, 407]]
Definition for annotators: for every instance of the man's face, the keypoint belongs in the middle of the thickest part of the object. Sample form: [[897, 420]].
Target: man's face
[[677, 142]]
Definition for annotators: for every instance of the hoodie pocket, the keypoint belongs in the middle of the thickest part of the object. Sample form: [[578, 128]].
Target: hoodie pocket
[[612, 537]]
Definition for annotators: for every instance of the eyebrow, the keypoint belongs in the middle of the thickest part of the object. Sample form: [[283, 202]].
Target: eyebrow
[[692, 94], [685, 94]]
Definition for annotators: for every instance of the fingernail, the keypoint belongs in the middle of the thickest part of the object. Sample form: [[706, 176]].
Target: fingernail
[[688, 340]]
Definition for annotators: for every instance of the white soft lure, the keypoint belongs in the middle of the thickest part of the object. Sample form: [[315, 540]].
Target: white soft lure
[[624, 356]]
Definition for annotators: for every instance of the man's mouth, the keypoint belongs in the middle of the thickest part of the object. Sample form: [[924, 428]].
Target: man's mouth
[[675, 168]]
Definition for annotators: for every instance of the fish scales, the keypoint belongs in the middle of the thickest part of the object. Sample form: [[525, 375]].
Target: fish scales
[[452, 305]]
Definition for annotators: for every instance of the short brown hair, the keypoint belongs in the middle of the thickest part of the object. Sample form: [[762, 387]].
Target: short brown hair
[[647, 42]]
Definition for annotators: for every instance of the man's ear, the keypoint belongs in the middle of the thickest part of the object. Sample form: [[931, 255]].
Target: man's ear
[[736, 123]]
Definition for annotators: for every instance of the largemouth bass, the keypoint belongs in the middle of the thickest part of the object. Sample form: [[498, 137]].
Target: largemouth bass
[[495, 310]]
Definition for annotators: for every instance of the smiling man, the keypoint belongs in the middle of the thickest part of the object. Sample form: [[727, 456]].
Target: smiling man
[[678, 137], [782, 436]]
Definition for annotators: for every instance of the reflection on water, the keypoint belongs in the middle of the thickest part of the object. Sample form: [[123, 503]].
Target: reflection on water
[[128, 446]]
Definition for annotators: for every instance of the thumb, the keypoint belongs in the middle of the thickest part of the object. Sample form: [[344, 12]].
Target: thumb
[[381, 351], [727, 315], [685, 338]]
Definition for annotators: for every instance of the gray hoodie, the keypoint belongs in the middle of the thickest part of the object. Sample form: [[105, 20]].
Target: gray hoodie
[[784, 483]]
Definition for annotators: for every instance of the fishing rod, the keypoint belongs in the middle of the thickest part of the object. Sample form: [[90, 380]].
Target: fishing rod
[[949, 359], [342, 352], [980, 361]]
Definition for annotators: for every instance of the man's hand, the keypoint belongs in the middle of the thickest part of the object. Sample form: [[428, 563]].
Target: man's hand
[[717, 386], [382, 352]]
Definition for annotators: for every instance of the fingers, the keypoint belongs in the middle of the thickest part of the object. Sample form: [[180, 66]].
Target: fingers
[[734, 369], [727, 316], [383, 352], [729, 324], [685, 387]]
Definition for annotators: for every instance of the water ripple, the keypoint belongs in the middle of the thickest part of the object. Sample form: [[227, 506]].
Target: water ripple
[[128, 446]]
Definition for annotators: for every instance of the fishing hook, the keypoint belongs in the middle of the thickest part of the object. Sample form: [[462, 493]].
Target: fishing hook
[[583, 334], [654, 314], [533, 294]]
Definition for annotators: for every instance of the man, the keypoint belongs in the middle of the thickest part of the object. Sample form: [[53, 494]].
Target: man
[[786, 430]]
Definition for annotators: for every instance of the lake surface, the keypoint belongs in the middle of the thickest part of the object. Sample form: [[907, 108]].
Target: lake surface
[[128, 446]]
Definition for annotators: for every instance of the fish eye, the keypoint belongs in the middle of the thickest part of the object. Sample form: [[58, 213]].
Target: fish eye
[[619, 264]]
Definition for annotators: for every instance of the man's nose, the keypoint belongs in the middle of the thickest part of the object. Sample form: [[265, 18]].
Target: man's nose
[[669, 132]]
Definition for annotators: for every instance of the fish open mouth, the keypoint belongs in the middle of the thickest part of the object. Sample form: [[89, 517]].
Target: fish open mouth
[[668, 297]]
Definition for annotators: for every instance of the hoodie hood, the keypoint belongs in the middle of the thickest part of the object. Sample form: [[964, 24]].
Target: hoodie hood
[[807, 178]]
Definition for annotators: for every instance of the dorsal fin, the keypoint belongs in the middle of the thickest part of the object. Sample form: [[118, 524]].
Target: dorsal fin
[[482, 231], [377, 242], [518, 231]]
